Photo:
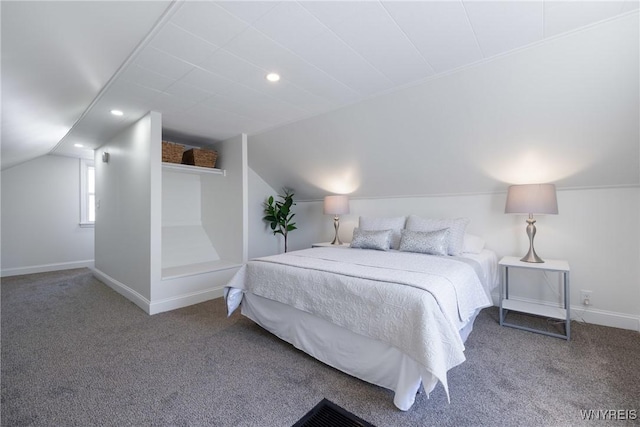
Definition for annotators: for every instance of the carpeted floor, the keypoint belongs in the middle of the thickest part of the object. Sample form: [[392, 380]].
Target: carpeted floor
[[75, 353]]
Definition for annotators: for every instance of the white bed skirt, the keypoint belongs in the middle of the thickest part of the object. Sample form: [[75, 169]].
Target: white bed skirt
[[370, 360]]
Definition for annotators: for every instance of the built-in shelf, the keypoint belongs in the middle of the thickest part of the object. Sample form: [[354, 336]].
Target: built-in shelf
[[199, 268], [191, 169]]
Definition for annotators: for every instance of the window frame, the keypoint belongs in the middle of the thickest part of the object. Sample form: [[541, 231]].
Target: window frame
[[85, 165]]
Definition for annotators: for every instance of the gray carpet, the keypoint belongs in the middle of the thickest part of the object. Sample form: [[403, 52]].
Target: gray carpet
[[76, 353]]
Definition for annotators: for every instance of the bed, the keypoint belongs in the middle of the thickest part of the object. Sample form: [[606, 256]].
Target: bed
[[392, 318]]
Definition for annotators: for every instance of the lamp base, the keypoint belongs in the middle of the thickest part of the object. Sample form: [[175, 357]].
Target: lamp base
[[531, 256], [336, 225]]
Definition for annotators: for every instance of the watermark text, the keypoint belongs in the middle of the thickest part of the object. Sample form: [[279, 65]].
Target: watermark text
[[609, 414]]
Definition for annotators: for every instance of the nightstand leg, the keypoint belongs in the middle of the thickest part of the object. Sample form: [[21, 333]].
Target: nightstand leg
[[504, 291], [506, 282], [567, 304]]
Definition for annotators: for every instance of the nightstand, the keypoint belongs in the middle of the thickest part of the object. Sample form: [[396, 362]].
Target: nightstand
[[506, 304], [329, 245]]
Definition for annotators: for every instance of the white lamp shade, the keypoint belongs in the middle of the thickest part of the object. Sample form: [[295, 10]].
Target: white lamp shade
[[532, 199], [336, 205]]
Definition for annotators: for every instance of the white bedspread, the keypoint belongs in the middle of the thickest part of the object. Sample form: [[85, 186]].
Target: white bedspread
[[414, 302]]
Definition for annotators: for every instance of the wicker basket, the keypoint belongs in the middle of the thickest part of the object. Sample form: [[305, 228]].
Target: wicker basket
[[172, 153], [200, 157]]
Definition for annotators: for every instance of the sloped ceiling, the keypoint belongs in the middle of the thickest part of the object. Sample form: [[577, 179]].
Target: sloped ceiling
[[565, 111], [202, 64], [56, 57]]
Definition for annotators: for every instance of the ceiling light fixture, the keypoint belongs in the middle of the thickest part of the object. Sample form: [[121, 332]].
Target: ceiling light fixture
[[273, 77], [78, 145], [117, 112]]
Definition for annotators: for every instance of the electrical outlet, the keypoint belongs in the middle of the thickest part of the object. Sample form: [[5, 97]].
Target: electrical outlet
[[585, 297]]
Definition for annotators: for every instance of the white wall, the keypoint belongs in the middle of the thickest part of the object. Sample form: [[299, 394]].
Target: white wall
[[262, 242], [41, 217], [596, 230], [224, 201], [125, 197], [184, 239]]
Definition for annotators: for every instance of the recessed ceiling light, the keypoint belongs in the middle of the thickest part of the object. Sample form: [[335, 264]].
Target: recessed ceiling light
[[273, 77], [117, 112], [78, 145]]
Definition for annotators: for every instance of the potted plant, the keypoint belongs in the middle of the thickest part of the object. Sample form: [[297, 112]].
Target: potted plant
[[278, 214]]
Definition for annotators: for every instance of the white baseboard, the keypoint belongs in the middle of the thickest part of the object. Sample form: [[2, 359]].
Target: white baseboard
[[591, 315], [123, 290], [185, 300], [88, 263], [159, 306], [605, 318]]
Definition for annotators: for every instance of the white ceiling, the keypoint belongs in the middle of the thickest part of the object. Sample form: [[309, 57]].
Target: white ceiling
[[202, 64], [56, 57]]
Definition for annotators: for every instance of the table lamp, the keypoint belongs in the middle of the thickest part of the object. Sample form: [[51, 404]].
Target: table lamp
[[336, 205], [532, 199]]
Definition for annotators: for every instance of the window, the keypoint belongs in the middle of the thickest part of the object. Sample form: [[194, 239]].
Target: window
[[87, 193]]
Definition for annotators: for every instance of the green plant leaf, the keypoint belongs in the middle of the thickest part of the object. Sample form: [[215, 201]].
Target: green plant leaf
[[277, 212]]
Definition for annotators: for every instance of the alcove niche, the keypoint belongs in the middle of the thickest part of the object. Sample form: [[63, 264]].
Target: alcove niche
[[168, 235], [203, 221], [189, 236]]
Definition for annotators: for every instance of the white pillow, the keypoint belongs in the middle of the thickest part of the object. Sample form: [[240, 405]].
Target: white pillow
[[473, 244], [395, 224], [456, 226], [425, 242], [371, 239]]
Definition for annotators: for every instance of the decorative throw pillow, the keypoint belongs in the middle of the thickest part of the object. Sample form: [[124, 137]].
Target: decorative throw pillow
[[371, 239], [456, 226], [425, 242], [395, 224], [473, 244]]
